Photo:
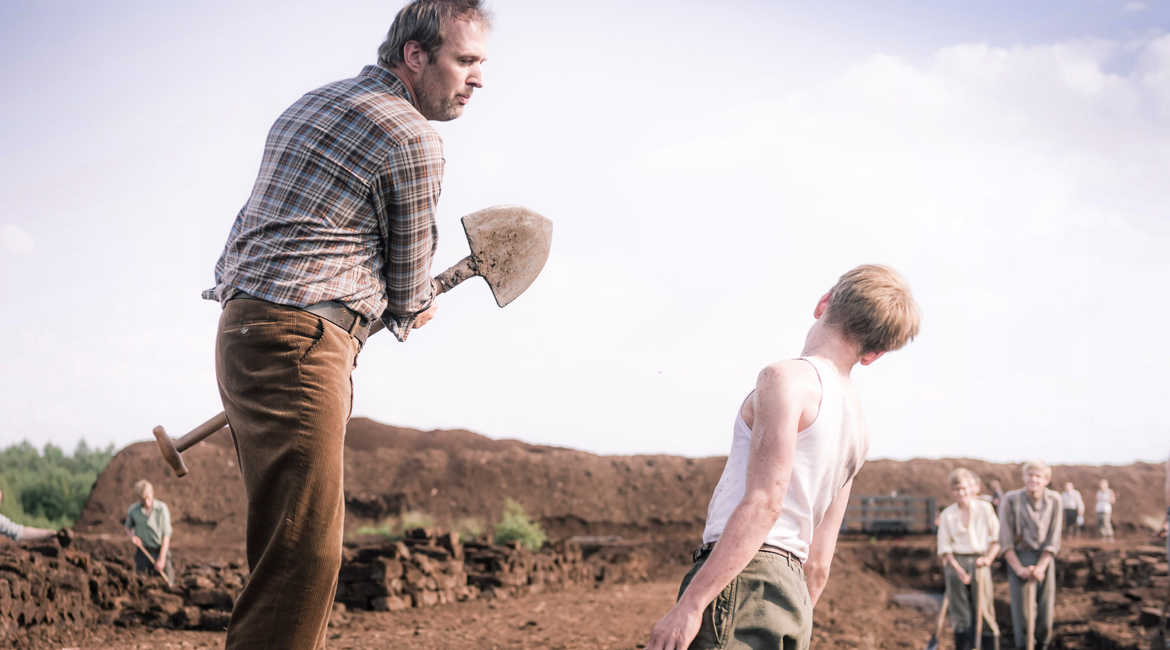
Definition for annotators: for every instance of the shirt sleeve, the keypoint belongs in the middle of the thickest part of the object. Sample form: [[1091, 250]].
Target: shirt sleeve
[[992, 525], [406, 199], [10, 529], [129, 518], [1006, 532], [164, 521], [945, 535], [1051, 541]]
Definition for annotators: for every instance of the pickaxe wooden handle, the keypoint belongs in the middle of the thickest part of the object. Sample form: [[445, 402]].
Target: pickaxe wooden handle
[[152, 563]]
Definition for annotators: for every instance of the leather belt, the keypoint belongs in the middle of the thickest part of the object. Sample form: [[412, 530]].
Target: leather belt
[[347, 319], [705, 550]]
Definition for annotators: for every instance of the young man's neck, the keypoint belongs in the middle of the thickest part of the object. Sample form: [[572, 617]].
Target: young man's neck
[[826, 343]]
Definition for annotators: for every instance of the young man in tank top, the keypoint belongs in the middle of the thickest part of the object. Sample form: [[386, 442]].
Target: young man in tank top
[[798, 441]]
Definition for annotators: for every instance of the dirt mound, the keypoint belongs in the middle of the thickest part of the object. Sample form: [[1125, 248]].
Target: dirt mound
[[458, 474]]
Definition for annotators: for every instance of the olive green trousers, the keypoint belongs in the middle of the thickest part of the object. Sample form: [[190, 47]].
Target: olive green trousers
[[766, 606]]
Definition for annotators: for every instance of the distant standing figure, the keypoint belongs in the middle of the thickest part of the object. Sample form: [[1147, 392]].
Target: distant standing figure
[[1105, 500], [1074, 511], [149, 522], [1029, 532], [996, 494], [16, 532], [968, 541]]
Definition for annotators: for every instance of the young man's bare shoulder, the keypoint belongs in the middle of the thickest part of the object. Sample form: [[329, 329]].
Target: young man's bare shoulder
[[792, 378]]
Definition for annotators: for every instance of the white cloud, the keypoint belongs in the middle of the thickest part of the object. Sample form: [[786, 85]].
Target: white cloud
[[1134, 7], [15, 240]]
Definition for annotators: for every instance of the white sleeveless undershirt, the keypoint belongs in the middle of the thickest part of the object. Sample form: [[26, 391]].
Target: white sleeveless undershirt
[[828, 454]]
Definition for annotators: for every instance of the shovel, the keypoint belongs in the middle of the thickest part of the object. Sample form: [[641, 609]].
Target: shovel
[[1159, 640], [978, 611], [1030, 614], [932, 644], [152, 563], [509, 246]]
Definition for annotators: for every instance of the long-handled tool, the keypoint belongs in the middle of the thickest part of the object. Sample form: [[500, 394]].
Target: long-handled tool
[[509, 246], [1159, 640], [1030, 614], [153, 563], [942, 615], [978, 610]]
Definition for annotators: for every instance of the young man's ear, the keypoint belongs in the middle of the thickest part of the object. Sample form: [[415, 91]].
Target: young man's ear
[[869, 358], [822, 307]]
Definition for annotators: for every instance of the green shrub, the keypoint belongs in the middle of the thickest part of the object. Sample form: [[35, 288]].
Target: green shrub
[[412, 519], [516, 525], [470, 527], [387, 528], [48, 489]]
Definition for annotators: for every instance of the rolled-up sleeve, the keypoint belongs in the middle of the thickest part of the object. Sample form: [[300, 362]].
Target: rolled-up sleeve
[[1007, 534], [945, 535], [992, 525], [406, 201], [1051, 542], [165, 529], [10, 529]]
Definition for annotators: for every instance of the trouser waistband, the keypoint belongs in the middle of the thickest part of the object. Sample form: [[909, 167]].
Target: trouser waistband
[[705, 550], [347, 319]]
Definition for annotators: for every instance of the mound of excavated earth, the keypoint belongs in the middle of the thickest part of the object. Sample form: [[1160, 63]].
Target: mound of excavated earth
[[456, 474]]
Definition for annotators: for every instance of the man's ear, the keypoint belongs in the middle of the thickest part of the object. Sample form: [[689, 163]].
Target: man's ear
[[870, 357], [822, 306], [414, 56]]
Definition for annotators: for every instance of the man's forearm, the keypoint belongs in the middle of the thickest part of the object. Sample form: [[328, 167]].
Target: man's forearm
[[742, 537], [166, 545], [1012, 560], [1044, 561]]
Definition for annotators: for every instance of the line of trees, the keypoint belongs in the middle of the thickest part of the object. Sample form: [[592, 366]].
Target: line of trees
[[47, 488]]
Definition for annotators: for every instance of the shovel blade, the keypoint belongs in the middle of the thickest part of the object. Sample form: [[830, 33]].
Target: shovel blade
[[510, 245], [933, 643]]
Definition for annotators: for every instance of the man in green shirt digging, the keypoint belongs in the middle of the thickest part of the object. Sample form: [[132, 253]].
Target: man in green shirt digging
[[149, 525]]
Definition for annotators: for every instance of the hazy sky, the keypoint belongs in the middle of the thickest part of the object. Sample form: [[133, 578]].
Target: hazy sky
[[711, 170]]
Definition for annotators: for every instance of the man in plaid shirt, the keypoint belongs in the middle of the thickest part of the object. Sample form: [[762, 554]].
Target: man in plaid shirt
[[339, 230]]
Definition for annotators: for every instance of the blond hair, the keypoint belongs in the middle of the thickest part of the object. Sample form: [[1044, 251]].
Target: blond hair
[[143, 488], [873, 307], [1037, 465], [962, 475]]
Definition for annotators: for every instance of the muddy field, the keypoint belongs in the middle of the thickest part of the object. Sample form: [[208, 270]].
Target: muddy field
[[637, 516]]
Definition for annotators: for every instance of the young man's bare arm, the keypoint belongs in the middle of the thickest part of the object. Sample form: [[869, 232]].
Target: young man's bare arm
[[824, 542], [782, 392]]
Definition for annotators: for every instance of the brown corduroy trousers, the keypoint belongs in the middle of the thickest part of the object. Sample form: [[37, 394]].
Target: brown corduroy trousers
[[285, 379]]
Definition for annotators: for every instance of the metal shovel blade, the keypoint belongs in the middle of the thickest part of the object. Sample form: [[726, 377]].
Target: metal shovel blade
[[509, 244]]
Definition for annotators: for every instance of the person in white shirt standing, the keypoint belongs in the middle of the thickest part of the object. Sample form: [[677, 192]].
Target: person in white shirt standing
[[798, 440], [1105, 500], [1074, 511], [968, 541]]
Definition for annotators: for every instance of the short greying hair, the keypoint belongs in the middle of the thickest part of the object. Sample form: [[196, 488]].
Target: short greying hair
[[424, 21]]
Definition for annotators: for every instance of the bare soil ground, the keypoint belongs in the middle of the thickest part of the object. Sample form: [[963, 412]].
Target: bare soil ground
[[658, 501]]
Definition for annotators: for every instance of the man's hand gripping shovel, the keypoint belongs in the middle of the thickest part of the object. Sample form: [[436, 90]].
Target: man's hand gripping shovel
[[509, 246], [153, 562]]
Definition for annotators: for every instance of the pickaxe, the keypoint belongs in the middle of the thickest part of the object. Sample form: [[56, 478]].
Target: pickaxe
[[509, 246]]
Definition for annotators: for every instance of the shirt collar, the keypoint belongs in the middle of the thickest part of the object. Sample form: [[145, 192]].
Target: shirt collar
[[388, 78]]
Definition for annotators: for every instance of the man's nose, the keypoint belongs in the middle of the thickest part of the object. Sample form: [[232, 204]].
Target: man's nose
[[475, 78]]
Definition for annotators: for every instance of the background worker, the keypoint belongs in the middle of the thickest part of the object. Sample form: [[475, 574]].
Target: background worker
[[19, 533], [339, 231], [1105, 500], [799, 439], [1029, 532], [148, 522], [968, 541], [1074, 511]]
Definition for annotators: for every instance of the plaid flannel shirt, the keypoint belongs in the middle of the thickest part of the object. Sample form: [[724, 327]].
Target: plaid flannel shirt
[[343, 208]]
